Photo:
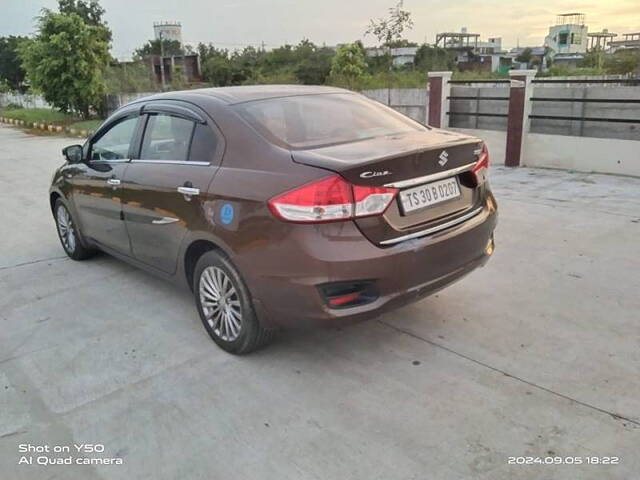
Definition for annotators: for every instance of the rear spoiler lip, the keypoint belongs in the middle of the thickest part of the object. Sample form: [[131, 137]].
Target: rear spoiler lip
[[318, 157]]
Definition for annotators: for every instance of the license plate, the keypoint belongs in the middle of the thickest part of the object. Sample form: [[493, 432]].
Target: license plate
[[429, 194]]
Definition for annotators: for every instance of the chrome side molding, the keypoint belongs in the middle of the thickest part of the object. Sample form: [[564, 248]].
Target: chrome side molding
[[173, 162], [164, 220], [437, 228], [430, 178]]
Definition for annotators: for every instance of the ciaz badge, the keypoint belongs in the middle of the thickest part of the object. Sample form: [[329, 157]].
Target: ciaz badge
[[370, 174]]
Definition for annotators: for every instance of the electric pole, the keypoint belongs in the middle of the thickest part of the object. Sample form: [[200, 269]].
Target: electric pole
[[162, 60]]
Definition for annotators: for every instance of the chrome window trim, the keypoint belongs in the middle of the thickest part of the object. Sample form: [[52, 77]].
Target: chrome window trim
[[430, 178], [437, 228], [173, 162], [118, 160]]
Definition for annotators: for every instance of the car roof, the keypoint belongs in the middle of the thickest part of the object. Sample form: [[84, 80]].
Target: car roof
[[249, 93]]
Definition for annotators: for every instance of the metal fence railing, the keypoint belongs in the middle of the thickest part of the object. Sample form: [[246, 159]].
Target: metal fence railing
[[605, 108], [597, 81], [583, 117], [483, 108]]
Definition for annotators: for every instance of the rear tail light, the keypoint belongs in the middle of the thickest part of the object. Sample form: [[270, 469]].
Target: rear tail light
[[371, 200], [331, 199], [481, 168]]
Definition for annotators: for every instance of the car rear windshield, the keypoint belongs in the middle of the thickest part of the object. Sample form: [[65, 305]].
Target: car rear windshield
[[312, 121]]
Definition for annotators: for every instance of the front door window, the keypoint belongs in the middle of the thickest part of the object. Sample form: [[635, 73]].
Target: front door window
[[114, 144]]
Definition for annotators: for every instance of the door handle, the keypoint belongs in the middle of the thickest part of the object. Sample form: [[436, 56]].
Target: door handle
[[189, 191], [114, 182], [164, 220]]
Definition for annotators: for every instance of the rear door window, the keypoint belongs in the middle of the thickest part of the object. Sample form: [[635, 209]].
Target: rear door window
[[167, 137], [204, 145]]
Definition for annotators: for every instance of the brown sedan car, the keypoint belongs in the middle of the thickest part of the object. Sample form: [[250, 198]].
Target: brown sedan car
[[278, 206]]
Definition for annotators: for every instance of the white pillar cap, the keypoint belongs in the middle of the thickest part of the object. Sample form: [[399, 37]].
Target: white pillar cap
[[521, 73], [439, 74]]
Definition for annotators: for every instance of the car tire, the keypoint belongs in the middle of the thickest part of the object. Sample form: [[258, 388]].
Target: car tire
[[68, 233], [225, 306]]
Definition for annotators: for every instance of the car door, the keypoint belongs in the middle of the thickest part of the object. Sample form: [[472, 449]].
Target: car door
[[97, 187], [165, 186]]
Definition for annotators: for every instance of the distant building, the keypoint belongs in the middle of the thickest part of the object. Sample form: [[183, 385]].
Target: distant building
[[600, 41], [168, 31], [187, 65], [629, 41], [462, 43], [473, 54], [403, 55], [538, 58], [492, 45], [569, 60], [462, 40], [491, 51], [400, 56], [569, 35]]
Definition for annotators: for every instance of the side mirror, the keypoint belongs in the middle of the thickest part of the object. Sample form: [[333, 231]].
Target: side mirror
[[73, 153]]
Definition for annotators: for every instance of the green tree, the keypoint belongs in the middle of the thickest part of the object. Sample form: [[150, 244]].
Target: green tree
[[314, 70], [216, 65], [381, 63], [66, 61], [401, 43], [153, 47], [11, 72], [313, 63], [622, 62], [217, 71], [525, 56], [349, 63], [592, 59], [90, 11], [304, 63], [129, 77], [433, 59], [389, 30], [246, 65], [277, 61]]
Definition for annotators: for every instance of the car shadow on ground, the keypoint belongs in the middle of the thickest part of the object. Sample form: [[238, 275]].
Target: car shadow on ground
[[291, 339]]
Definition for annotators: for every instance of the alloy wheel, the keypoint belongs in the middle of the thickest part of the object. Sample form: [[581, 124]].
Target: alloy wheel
[[220, 303], [66, 229]]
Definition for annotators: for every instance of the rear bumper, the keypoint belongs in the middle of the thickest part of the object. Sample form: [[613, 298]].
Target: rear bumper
[[285, 286]]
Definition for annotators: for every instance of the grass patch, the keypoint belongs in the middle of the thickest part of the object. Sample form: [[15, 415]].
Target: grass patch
[[43, 115], [50, 117], [91, 125]]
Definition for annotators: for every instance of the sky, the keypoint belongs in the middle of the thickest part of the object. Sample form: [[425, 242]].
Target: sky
[[235, 23]]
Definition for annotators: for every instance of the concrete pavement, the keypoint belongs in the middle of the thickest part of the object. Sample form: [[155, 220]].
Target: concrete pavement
[[537, 354]]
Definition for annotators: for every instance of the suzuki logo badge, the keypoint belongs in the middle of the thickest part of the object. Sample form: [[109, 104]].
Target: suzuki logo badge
[[444, 158]]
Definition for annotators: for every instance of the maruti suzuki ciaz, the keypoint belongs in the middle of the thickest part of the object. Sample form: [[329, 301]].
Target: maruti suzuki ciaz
[[278, 206]]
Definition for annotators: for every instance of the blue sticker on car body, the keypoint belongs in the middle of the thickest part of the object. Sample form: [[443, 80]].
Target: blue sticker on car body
[[226, 213]]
